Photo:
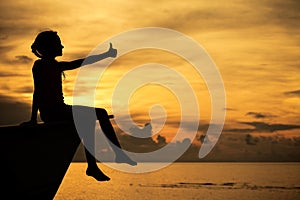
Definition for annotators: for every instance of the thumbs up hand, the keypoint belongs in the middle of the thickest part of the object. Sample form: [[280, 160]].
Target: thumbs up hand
[[111, 51]]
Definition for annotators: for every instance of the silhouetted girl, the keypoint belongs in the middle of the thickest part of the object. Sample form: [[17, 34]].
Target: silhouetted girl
[[48, 96]]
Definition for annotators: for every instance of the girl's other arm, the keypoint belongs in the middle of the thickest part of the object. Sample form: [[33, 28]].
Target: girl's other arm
[[34, 108], [89, 60]]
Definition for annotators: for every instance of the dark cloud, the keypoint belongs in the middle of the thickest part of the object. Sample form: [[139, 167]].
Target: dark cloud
[[260, 126], [188, 125], [202, 137], [250, 140], [161, 140], [240, 130], [264, 127], [9, 74], [143, 132], [277, 139], [19, 59], [256, 115], [6, 48], [151, 144], [23, 59], [229, 109], [230, 147], [259, 115], [293, 93], [3, 37], [27, 89], [284, 13], [140, 139], [13, 111], [247, 147]]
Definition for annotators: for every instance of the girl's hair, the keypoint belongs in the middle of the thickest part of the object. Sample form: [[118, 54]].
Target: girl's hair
[[45, 44]]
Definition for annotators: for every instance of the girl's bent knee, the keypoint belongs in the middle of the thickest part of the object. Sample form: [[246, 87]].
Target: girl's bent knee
[[101, 112]]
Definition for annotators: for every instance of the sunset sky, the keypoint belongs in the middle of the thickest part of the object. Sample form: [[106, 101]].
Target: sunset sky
[[254, 44]]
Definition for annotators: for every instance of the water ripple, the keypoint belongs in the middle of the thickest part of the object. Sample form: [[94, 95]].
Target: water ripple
[[224, 185]]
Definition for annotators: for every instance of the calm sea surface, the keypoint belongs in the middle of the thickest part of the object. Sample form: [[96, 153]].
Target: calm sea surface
[[188, 181]]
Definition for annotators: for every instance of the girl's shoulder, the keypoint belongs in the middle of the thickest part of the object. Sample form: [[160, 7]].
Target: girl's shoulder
[[36, 64], [42, 64]]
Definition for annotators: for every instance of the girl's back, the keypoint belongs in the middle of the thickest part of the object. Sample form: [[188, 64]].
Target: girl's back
[[48, 82]]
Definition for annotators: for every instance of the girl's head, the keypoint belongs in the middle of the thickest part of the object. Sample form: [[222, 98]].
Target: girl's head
[[47, 44]]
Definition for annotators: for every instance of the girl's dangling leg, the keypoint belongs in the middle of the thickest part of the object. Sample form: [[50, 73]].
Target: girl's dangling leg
[[88, 128], [109, 132], [92, 169]]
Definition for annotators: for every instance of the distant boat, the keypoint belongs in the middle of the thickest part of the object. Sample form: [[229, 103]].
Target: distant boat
[[35, 159]]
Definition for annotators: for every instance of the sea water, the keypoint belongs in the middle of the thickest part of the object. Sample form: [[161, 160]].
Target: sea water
[[234, 181]]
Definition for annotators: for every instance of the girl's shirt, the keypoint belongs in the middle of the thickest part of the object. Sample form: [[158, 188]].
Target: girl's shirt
[[47, 77]]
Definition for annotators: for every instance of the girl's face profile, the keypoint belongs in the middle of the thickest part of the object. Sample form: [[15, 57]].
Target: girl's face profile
[[57, 47]]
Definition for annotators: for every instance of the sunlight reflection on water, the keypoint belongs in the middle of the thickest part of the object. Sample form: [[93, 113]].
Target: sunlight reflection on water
[[188, 181]]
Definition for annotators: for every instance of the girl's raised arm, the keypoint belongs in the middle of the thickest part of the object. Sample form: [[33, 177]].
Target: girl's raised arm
[[89, 60]]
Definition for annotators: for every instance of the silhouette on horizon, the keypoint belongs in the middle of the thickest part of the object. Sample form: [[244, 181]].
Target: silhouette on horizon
[[48, 97]]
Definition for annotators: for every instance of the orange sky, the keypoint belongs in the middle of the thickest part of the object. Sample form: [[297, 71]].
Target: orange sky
[[255, 45]]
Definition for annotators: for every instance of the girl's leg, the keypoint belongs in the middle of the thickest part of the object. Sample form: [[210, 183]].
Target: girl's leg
[[92, 169], [109, 132], [89, 140], [88, 128], [106, 126]]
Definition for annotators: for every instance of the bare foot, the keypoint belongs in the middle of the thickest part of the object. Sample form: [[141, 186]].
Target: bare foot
[[97, 174], [123, 158]]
